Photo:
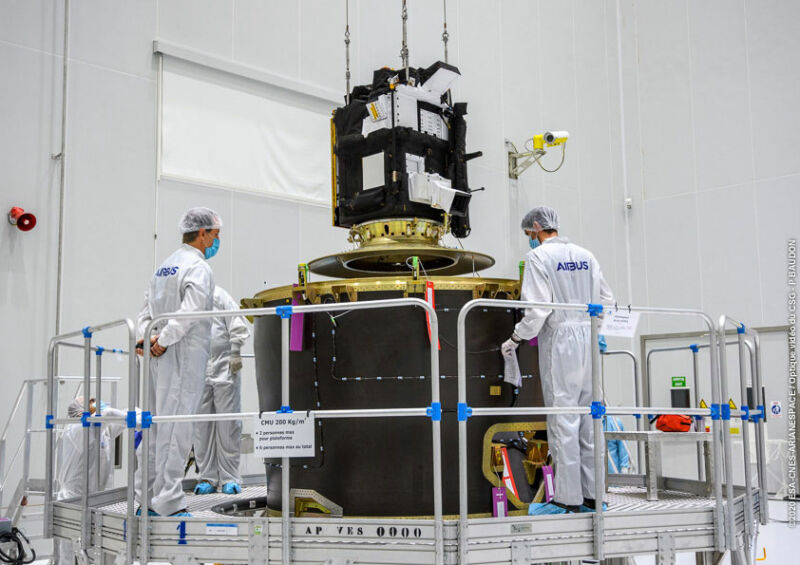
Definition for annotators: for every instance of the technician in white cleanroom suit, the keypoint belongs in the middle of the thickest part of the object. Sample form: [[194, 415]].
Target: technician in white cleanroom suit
[[184, 282], [216, 444], [559, 271], [69, 476]]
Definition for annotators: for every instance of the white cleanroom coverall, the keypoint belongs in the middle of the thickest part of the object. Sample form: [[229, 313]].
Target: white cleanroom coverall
[[216, 444], [69, 476], [560, 271], [183, 283]]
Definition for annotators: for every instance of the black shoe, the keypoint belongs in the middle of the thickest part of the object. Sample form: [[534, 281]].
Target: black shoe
[[590, 505], [571, 509]]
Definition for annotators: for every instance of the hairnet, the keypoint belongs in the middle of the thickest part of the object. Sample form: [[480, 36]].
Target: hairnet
[[75, 408], [199, 218], [540, 218]]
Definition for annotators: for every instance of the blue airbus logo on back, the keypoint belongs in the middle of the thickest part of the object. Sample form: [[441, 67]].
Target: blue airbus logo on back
[[573, 266], [166, 271]]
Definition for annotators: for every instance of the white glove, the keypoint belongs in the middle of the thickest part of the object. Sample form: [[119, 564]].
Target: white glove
[[235, 363], [509, 346]]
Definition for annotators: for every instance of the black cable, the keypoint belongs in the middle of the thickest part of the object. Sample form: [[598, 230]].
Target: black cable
[[20, 556]]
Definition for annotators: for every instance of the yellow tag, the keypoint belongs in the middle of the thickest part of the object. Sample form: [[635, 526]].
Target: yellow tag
[[734, 431], [495, 390], [732, 404], [703, 404]]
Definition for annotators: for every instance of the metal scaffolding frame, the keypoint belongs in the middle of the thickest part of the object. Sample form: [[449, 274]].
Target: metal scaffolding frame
[[684, 522]]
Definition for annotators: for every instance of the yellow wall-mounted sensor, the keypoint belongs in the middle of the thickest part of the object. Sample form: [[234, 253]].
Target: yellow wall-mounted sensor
[[552, 138], [518, 162]]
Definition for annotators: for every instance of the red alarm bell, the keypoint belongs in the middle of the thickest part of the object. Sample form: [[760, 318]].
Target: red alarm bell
[[25, 221]]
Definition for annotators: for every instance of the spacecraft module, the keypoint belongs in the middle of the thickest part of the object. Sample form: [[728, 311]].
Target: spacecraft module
[[399, 185]]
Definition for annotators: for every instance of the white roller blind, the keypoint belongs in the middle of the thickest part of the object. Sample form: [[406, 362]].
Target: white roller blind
[[233, 132]]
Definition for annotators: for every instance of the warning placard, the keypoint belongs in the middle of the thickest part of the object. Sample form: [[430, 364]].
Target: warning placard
[[283, 435], [620, 323]]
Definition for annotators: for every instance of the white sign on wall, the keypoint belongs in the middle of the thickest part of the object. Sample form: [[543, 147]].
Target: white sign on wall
[[283, 435], [244, 135]]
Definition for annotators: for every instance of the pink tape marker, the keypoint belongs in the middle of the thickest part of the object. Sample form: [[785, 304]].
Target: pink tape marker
[[296, 330], [549, 485]]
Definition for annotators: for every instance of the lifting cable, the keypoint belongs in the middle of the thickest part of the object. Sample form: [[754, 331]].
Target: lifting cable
[[445, 35], [404, 48], [347, 47]]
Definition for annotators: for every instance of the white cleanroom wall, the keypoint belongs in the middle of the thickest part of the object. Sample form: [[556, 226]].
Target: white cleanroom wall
[[711, 128]]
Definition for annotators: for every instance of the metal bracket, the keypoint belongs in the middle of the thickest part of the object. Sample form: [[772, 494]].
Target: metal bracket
[[295, 493], [666, 549], [520, 552], [518, 162], [183, 560], [97, 541], [258, 546]]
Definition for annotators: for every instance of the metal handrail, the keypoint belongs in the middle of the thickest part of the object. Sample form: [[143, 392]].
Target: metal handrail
[[677, 348], [760, 400], [56, 342], [286, 515], [637, 393], [25, 390], [599, 469], [13, 413], [726, 432], [4, 477]]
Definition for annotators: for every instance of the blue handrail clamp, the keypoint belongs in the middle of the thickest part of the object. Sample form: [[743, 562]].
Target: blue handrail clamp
[[594, 309], [598, 410], [464, 411], [434, 411], [284, 311]]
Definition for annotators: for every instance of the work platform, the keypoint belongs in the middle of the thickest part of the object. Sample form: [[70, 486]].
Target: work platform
[[677, 522], [686, 517]]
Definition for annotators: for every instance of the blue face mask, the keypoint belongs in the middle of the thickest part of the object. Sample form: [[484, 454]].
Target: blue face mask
[[533, 242], [211, 251]]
